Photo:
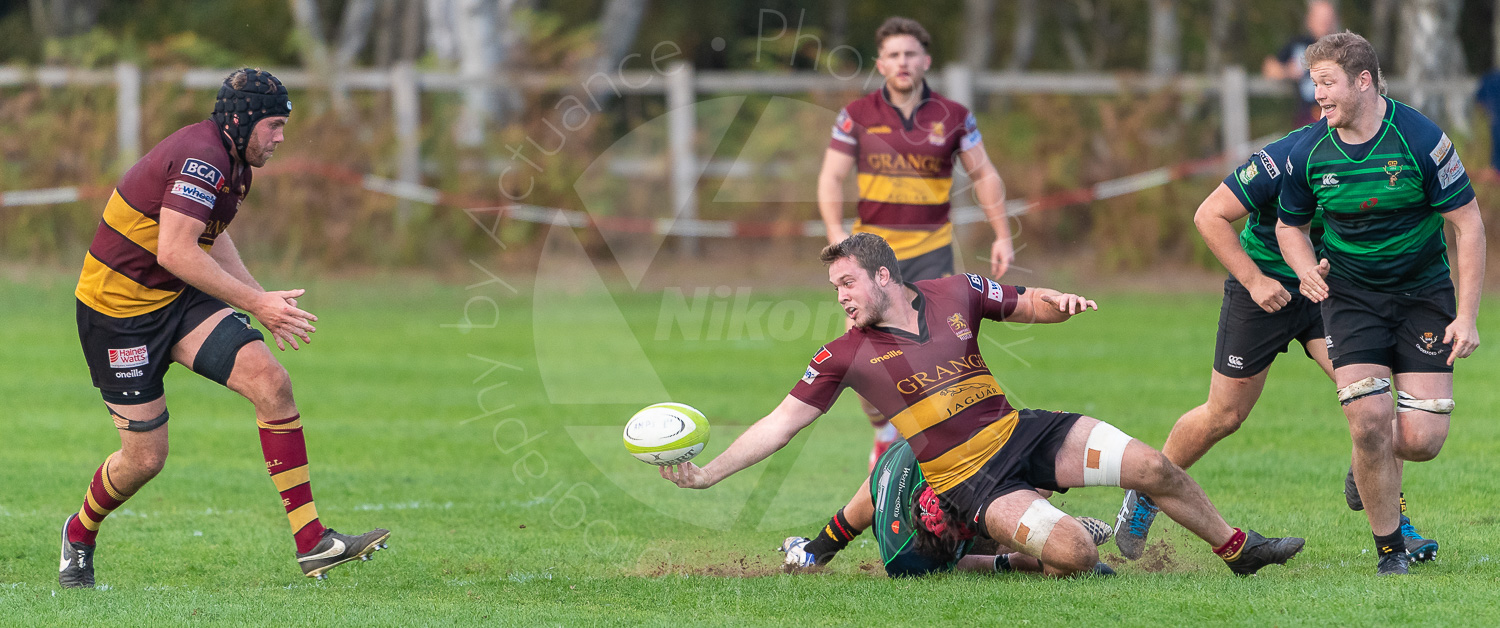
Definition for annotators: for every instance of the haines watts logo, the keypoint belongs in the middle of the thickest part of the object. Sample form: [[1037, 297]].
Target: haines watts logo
[[127, 358], [960, 327]]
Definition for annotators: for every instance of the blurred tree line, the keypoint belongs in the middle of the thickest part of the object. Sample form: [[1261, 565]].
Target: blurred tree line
[[1161, 36]]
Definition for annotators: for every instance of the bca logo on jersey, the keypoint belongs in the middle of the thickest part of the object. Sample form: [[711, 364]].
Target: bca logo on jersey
[[203, 170]]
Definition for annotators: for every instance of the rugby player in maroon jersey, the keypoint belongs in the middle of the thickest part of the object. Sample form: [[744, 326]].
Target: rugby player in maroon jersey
[[157, 287], [914, 353], [903, 139]]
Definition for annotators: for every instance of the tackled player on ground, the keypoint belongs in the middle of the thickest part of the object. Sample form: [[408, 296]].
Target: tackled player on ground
[[914, 353]]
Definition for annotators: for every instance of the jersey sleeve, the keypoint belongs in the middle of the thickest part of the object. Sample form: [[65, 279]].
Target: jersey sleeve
[[843, 139], [971, 137], [1256, 182], [1297, 205], [193, 184], [823, 380], [992, 299], [1444, 180]]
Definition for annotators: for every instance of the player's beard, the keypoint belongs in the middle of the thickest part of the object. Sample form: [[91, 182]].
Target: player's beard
[[880, 302]]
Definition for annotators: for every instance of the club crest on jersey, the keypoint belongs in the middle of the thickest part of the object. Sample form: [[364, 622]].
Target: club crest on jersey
[[936, 136], [976, 282], [1392, 168], [204, 171], [960, 327], [823, 354], [1247, 174]]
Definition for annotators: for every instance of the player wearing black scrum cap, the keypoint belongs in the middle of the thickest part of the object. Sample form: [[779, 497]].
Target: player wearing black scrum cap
[[161, 284]]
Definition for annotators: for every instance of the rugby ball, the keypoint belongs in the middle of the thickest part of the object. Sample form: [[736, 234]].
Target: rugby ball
[[666, 434]]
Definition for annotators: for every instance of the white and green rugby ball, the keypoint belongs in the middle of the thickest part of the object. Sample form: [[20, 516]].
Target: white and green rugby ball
[[666, 434]]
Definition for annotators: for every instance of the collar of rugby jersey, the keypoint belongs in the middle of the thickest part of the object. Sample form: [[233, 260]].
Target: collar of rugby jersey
[[907, 123]]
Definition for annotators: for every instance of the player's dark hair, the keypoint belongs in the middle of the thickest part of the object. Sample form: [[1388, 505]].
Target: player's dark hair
[[896, 25], [869, 250], [1352, 53]]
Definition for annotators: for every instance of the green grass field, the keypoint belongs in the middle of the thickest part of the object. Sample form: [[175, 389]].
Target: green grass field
[[492, 451]]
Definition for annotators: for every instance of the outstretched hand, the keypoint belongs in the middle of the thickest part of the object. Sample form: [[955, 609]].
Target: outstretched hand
[[1069, 304], [687, 475], [277, 311]]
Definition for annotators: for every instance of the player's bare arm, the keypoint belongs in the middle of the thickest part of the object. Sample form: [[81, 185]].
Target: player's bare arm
[[1463, 332], [1045, 305], [1215, 222], [836, 167], [180, 254], [765, 437], [228, 256], [1297, 250], [989, 190]]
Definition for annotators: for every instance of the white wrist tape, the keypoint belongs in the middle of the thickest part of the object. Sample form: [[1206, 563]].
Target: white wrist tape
[[1036, 525], [1407, 403], [1102, 458]]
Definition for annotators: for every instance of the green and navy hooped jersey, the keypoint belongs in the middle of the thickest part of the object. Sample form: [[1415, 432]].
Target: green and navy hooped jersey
[[894, 486], [1382, 201], [1256, 183]]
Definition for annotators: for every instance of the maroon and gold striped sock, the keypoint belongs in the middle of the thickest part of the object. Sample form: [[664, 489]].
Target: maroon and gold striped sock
[[101, 499], [286, 459]]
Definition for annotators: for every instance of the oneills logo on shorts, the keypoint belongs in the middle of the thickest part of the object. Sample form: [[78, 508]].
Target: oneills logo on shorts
[[126, 358], [960, 327]]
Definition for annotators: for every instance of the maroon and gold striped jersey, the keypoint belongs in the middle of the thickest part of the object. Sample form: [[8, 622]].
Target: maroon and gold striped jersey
[[905, 166], [189, 172], [935, 386]]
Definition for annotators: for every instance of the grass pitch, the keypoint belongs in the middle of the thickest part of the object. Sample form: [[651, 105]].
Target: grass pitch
[[481, 425]]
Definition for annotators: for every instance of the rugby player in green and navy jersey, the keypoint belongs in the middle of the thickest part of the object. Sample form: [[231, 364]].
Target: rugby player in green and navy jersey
[[1387, 181], [914, 535], [1261, 315]]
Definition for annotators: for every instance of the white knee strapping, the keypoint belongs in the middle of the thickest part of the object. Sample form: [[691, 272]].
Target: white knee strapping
[[1101, 461], [1407, 403], [1036, 525], [1364, 388]]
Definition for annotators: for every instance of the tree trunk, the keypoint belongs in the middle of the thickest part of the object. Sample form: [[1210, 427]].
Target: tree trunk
[[1069, 18], [1023, 36], [1430, 51], [1218, 35], [1380, 29], [978, 38], [838, 23], [1495, 36], [64, 18], [311, 46], [618, 25], [354, 31], [1166, 38]]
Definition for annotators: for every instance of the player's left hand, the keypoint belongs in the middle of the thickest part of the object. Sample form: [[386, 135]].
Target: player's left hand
[[1463, 336], [687, 475], [1002, 253], [1069, 304]]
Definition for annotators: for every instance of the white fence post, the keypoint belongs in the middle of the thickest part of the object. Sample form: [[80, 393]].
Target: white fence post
[[127, 113], [1234, 99], [406, 104], [958, 84], [681, 123]]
